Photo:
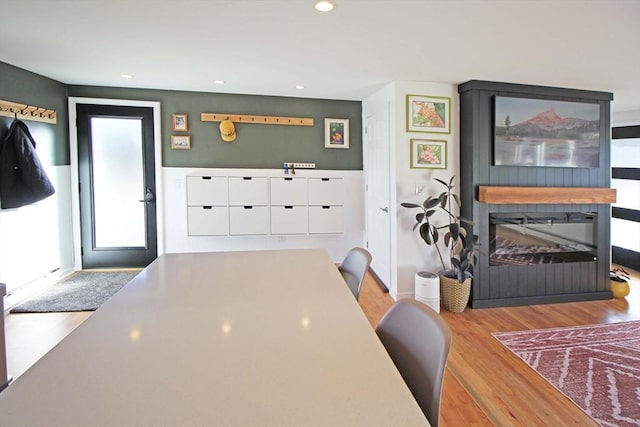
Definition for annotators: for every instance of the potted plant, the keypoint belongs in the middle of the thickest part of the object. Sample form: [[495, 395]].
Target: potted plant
[[619, 282], [457, 271]]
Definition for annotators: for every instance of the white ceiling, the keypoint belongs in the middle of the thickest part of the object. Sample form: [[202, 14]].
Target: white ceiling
[[266, 47]]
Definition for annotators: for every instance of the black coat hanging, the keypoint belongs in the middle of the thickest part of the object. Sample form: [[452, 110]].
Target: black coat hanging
[[22, 178]]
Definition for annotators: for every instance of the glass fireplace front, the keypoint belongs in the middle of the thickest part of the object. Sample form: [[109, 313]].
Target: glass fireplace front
[[542, 237]]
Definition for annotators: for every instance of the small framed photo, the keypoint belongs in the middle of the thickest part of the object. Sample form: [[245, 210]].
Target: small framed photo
[[428, 114], [336, 133], [180, 142], [179, 122], [428, 154]]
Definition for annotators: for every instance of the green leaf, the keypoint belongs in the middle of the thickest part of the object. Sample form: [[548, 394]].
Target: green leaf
[[435, 234], [430, 212], [454, 228], [420, 217], [457, 199], [409, 205], [431, 203], [443, 200], [442, 182], [424, 233]]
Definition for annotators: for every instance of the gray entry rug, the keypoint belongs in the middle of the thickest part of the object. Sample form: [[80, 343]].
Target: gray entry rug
[[82, 291]]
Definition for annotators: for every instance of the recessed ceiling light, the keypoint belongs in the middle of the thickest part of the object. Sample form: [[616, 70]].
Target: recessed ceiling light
[[324, 6], [299, 87], [126, 76], [219, 82]]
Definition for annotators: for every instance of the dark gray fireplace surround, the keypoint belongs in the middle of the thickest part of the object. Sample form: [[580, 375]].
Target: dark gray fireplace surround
[[497, 284]]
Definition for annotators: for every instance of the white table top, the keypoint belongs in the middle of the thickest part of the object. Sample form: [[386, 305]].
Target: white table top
[[265, 338]]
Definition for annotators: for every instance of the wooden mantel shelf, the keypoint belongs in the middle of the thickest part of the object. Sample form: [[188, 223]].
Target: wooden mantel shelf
[[503, 195]]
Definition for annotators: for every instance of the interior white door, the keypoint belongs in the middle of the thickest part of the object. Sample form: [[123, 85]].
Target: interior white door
[[377, 179]]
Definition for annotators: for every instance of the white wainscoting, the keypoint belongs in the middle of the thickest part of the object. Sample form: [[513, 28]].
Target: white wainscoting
[[175, 213], [36, 239]]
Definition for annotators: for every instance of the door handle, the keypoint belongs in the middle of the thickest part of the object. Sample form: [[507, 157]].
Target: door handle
[[385, 209], [149, 197]]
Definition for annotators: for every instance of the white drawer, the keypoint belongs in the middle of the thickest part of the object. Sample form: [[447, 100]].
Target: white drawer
[[326, 220], [245, 220], [208, 220], [248, 190], [289, 219], [326, 191], [288, 191], [206, 190]]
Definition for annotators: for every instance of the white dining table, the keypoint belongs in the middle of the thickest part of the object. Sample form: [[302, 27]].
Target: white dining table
[[261, 338]]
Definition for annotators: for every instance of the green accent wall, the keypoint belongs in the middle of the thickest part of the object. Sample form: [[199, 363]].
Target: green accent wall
[[256, 146], [24, 87]]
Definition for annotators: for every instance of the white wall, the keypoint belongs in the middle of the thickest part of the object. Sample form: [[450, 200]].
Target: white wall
[[175, 212], [36, 239], [413, 254], [625, 118]]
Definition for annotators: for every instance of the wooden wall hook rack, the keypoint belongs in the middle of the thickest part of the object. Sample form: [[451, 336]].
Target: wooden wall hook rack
[[260, 120], [27, 112]]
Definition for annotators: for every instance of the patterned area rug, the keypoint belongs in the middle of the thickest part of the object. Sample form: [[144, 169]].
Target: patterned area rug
[[598, 366], [82, 291]]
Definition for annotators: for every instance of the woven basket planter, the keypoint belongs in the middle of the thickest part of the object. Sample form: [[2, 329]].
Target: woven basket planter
[[454, 295]]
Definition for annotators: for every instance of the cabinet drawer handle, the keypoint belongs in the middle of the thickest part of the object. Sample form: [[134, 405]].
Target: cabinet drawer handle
[[207, 207], [288, 179], [247, 178], [248, 207], [325, 179], [326, 207], [206, 177], [288, 207]]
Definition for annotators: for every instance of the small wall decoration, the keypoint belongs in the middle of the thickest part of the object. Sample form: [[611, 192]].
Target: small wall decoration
[[181, 142], [428, 114], [336, 133], [428, 154], [180, 123]]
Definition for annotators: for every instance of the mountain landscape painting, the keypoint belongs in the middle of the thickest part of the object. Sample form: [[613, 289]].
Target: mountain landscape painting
[[538, 132]]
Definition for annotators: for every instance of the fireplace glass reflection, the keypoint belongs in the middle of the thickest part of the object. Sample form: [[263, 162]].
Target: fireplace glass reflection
[[542, 238]]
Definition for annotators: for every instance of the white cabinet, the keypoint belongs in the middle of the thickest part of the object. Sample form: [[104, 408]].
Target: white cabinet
[[326, 191], [289, 212], [248, 190], [208, 220], [326, 199], [206, 190], [326, 220], [207, 212], [248, 220], [262, 205], [289, 219], [248, 199], [289, 191]]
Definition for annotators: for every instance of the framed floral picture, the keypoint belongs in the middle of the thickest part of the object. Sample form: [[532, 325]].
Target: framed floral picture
[[428, 114], [336, 133], [428, 154], [181, 142], [179, 122]]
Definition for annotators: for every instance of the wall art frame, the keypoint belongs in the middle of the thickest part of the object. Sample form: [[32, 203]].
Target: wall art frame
[[336, 133], [179, 122], [180, 142], [428, 114], [428, 153]]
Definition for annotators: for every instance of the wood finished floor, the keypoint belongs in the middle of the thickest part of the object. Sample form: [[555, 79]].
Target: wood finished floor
[[485, 384]]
